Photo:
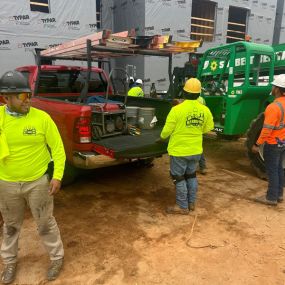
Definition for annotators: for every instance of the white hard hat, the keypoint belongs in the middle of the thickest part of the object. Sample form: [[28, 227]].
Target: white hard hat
[[279, 81], [131, 78], [139, 81]]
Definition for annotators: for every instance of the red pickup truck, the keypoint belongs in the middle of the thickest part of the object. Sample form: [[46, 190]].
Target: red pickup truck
[[94, 130]]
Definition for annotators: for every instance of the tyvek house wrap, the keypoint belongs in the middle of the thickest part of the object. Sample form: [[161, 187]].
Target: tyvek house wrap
[[149, 18], [21, 30], [173, 17]]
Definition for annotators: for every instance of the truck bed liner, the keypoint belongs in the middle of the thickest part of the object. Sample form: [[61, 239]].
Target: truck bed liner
[[140, 146]]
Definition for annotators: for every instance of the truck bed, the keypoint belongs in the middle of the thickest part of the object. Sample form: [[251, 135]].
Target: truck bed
[[140, 146]]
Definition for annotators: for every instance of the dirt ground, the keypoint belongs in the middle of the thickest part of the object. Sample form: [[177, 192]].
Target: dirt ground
[[115, 230]]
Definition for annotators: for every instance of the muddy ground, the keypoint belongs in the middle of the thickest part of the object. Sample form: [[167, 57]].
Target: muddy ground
[[115, 229]]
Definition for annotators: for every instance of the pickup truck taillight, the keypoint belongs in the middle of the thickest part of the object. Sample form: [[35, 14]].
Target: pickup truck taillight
[[82, 130]]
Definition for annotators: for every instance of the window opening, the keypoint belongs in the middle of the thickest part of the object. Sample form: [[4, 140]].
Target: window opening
[[237, 24], [98, 13], [40, 6], [203, 20]]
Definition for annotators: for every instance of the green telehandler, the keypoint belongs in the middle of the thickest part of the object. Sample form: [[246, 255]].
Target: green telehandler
[[236, 84]]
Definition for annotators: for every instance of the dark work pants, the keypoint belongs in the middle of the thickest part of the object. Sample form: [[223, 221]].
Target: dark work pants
[[273, 158]]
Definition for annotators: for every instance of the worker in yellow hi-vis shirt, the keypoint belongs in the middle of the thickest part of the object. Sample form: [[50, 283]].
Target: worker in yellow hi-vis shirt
[[136, 89], [25, 135], [185, 125]]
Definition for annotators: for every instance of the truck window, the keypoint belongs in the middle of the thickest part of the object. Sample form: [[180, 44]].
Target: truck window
[[70, 81], [257, 64], [97, 83], [240, 63]]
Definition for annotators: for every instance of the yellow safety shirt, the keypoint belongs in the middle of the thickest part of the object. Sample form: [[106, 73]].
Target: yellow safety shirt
[[185, 124], [26, 138], [136, 91], [201, 100]]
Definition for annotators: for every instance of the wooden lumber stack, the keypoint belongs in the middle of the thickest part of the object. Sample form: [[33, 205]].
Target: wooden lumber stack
[[106, 44]]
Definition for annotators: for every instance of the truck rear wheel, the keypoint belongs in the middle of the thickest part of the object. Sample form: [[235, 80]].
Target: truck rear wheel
[[70, 174], [252, 135], [145, 162]]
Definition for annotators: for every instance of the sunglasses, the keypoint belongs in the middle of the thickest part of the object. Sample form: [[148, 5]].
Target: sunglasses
[[24, 96], [21, 96]]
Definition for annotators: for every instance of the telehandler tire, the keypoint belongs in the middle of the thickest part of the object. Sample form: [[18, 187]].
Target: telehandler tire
[[228, 137], [70, 174], [256, 159]]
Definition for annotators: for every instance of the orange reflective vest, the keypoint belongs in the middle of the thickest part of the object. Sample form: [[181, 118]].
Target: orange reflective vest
[[274, 122]]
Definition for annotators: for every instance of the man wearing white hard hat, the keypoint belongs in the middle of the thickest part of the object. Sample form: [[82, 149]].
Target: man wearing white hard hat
[[136, 90], [131, 82], [272, 137]]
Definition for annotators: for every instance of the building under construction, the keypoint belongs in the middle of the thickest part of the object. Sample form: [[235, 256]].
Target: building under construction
[[26, 25], [216, 22]]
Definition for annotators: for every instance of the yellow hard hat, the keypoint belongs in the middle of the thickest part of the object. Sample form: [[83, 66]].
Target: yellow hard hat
[[192, 85]]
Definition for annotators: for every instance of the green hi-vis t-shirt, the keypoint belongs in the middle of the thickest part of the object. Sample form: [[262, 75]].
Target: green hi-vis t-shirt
[[136, 91], [27, 140], [185, 124]]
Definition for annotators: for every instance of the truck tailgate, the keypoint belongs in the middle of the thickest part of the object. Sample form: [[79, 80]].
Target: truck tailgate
[[140, 146]]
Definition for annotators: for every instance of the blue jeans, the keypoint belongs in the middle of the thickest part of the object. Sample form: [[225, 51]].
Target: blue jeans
[[202, 162], [273, 158], [185, 189]]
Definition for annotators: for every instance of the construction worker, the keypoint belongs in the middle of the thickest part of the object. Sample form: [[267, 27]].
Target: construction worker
[[28, 139], [202, 161], [185, 125], [272, 137], [131, 82], [136, 90]]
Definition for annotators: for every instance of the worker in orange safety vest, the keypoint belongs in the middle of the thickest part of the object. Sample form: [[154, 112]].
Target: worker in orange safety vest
[[272, 137]]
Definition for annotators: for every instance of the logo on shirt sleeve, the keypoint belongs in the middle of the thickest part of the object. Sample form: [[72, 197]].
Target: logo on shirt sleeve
[[29, 131]]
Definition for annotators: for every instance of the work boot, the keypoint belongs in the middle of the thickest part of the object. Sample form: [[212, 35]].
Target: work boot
[[280, 199], [191, 206], [264, 200], [203, 171], [177, 210], [9, 273], [54, 269]]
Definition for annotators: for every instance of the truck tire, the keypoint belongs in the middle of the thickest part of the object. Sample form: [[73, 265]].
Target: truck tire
[[70, 174], [252, 135], [145, 162]]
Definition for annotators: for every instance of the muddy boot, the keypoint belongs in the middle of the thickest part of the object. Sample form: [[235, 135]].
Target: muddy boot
[[203, 171], [265, 201], [191, 206], [176, 210], [9, 273], [54, 269], [280, 199]]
